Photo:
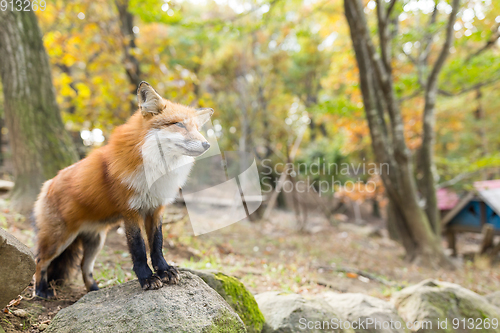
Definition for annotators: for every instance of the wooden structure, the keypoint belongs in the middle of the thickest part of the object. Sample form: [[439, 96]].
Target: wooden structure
[[478, 211]]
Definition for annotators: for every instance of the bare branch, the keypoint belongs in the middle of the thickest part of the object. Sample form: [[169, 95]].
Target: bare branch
[[463, 176], [420, 61], [419, 66], [431, 81], [410, 96], [489, 44], [455, 180], [382, 17], [410, 57], [383, 34], [390, 8], [468, 89], [219, 22], [344, 269], [427, 41]]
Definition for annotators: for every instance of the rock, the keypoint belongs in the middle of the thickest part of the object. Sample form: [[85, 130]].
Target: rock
[[17, 267], [368, 314], [290, 313], [190, 306], [42, 327], [20, 313], [236, 295], [494, 298], [362, 230], [6, 185], [431, 301]]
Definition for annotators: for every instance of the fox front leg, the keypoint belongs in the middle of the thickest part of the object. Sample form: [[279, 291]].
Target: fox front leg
[[137, 250], [168, 274]]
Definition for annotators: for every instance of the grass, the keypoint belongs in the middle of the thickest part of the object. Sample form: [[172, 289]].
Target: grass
[[109, 275]]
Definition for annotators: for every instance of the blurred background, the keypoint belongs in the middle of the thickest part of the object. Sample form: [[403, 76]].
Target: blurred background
[[373, 125]]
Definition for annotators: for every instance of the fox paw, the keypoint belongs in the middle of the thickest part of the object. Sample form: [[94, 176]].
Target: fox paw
[[45, 293], [169, 276], [151, 283]]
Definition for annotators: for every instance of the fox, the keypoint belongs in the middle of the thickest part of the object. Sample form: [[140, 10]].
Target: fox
[[76, 208]]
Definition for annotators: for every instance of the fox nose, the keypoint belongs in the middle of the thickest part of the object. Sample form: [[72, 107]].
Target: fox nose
[[206, 145]]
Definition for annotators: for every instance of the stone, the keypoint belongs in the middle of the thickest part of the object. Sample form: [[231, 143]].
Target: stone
[[365, 313], [17, 267], [445, 307], [362, 230], [6, 185], [189, 306], [494, 298], [21, 313], [291, 313], [236, 295]]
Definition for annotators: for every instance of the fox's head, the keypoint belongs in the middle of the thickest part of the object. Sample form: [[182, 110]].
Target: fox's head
[[176, 127]]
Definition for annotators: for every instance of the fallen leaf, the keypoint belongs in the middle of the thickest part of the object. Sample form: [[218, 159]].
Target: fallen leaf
[[15, 302]]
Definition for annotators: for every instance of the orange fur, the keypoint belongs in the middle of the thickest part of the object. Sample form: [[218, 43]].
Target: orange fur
[[91, 189], [92, 194]]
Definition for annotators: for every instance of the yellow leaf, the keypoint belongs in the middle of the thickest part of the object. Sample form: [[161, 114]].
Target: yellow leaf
[[83, 90]]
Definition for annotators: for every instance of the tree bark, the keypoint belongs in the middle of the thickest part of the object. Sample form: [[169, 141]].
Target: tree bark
[[131, 63], [40, 144], [428, 182], [480, 117], [422, 245]]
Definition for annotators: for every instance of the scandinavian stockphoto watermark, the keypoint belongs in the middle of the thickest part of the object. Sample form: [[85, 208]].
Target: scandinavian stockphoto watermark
[[321, 177], [222, 188], [226, 187]]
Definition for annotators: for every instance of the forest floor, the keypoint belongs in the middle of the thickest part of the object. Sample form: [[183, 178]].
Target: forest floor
[[265, 256]]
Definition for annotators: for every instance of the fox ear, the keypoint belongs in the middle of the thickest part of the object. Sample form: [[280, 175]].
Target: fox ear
[[203, 115], [150, 102]]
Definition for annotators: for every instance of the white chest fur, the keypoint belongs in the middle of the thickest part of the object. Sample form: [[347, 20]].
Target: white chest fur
[[158, 180]]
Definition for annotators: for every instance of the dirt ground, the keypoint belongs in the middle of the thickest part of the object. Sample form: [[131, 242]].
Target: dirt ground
[[265, 255]]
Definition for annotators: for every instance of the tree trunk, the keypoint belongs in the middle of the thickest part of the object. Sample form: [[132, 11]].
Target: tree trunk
[[2, 157], [480, 116], [40, 144], [427, 169], [131, 63], [398, 230], [428, 187], [388, 142]]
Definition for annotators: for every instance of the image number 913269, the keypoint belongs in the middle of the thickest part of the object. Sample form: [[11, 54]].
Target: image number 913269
[[23, 5]]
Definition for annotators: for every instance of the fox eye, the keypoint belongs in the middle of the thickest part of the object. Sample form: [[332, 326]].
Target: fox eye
[[181, 125]]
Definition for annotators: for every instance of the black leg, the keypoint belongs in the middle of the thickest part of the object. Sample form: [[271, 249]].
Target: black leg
[[137, 250], [168, 274], [42, 287]]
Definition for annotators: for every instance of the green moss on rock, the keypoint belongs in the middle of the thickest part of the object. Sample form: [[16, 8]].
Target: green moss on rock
[[237, 296], [243, 302], [432, 301], [225, 323]]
